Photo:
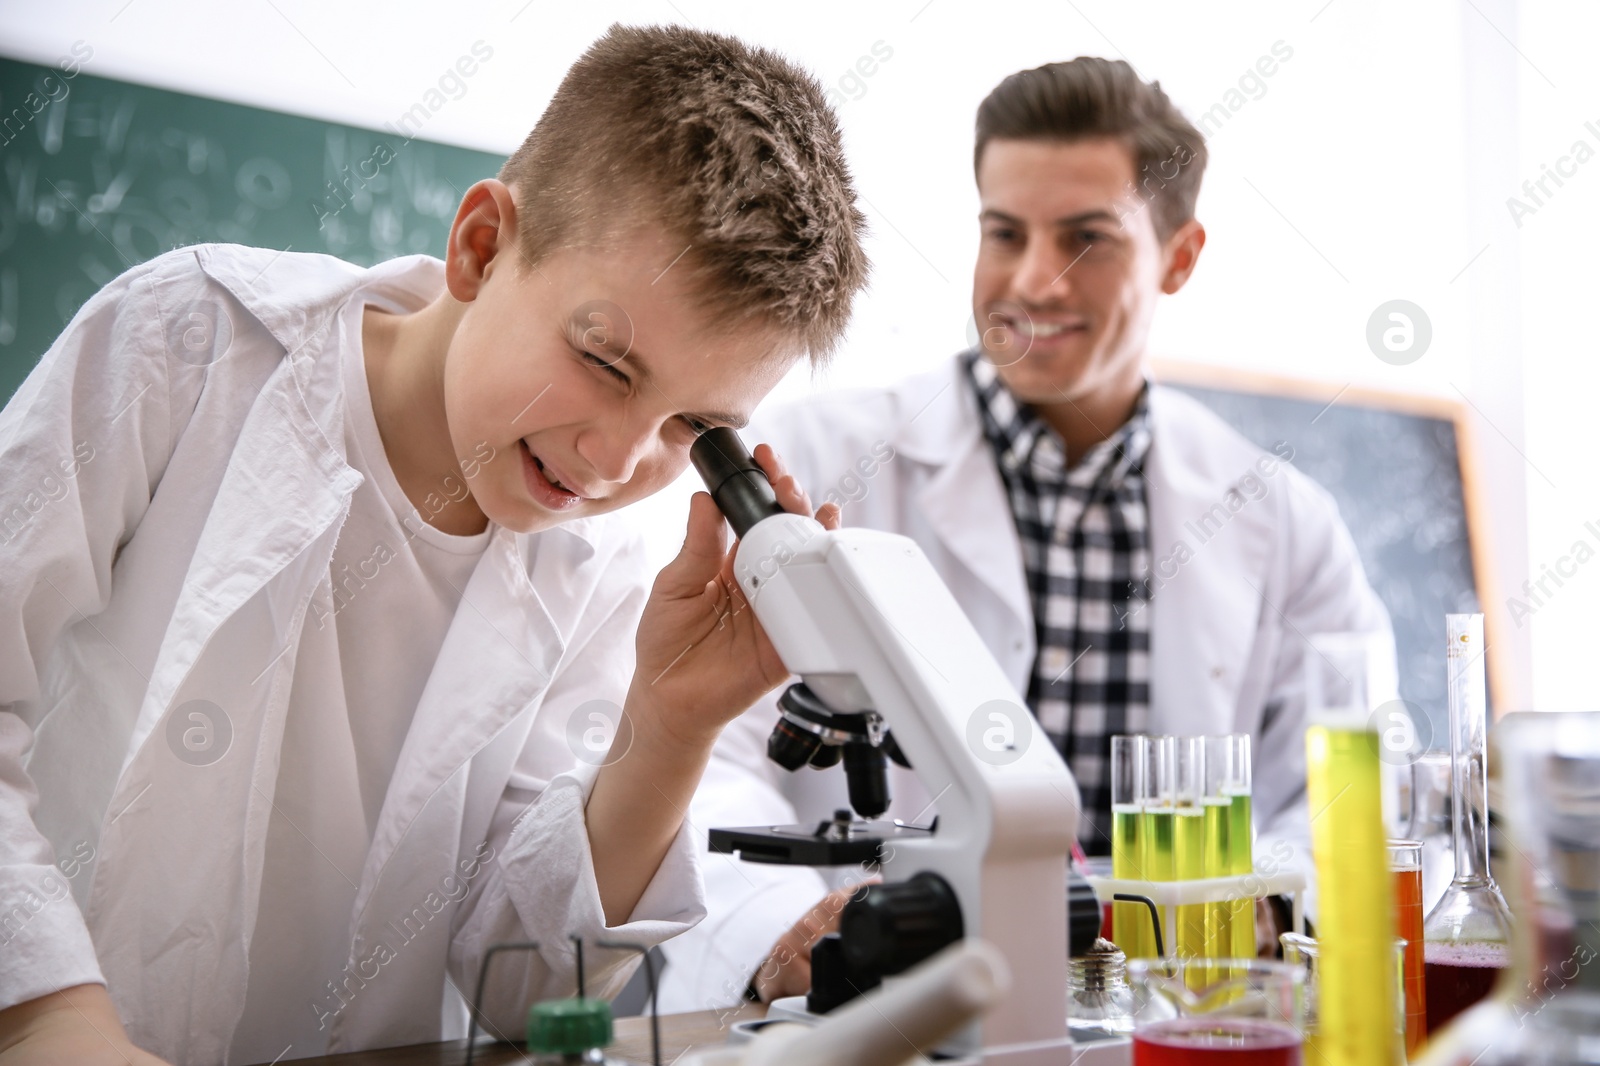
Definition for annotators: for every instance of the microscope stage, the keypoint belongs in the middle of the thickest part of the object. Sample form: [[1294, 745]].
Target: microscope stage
[[826, 843]]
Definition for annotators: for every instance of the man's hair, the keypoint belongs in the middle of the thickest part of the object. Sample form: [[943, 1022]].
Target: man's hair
[[730, 149], [1091, 97]]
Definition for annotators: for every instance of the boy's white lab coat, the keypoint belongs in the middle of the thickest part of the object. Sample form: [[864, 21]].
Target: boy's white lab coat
[[175, 479], [1249, 559]]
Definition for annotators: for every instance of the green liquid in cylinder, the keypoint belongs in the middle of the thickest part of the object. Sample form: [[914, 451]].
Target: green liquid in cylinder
[[1356, 995], [1189, 862], [1241, 860], [1219, 916], [1130, 922], [1156, 830]]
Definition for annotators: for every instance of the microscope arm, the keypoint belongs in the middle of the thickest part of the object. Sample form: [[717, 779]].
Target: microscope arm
[[866, 621]]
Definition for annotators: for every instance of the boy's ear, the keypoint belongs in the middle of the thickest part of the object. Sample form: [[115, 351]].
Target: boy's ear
[[483, 234]]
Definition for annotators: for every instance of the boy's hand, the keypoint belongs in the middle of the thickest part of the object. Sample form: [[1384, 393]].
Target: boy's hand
[[702, 656], [702, 659], [73, 1027]]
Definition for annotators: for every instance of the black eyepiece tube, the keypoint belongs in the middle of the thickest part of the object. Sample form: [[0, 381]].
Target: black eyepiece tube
[[734, 479]]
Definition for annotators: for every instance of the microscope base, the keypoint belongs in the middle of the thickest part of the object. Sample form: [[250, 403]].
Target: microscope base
[[1110, 1051]]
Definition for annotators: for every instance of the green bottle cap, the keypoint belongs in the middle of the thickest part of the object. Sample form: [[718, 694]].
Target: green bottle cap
[[568, 1026]]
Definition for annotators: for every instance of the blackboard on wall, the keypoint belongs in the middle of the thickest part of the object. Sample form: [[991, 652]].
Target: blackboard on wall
[[1400, 468], [101, 175]]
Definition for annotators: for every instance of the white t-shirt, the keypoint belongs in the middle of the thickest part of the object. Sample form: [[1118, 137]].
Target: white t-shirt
[[397, 582]]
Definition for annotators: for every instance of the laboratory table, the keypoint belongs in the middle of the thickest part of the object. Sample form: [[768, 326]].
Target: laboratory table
[[679, 1033]]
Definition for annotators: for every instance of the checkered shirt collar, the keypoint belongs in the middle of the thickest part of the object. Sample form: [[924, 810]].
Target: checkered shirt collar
[[1025, 443]]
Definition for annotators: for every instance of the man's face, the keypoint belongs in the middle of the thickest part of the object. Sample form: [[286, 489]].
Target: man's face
[[577, 387], [1069, 268]]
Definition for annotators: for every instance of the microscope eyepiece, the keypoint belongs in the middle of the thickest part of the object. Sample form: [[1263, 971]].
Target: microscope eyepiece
[[734, 479]]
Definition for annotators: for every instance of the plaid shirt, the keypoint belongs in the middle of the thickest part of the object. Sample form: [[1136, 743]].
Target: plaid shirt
[[1085, 536]]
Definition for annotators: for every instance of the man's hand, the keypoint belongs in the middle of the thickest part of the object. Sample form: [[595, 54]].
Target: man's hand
[[787, 969], [73, 1027]]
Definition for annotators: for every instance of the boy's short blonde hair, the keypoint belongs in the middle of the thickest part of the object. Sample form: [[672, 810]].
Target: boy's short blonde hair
[[731, 149]]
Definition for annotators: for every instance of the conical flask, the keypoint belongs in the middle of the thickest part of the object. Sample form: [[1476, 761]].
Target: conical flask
[[1467, 935], [1548, 1013]]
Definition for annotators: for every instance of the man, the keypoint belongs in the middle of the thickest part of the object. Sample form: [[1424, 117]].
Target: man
[[1133, 563]]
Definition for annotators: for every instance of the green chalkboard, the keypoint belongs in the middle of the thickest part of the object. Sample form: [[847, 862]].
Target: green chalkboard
[[101, 175]]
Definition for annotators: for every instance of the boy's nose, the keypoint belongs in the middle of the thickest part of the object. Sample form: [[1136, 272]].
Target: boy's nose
[[614, 455]]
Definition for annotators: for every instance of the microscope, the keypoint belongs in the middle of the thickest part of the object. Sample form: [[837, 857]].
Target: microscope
[[891, 669]]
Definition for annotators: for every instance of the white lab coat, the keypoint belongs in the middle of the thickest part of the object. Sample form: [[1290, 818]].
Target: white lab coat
[[175, 479], [1231, 609]]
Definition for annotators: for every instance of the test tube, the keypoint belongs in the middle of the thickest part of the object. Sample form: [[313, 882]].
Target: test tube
[[1156, 818], [1130, 922], [1405, 863], [1241, 839], [1189, 839], [1223, 841]]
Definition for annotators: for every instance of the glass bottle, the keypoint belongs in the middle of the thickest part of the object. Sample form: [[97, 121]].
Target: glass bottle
[[569, 1032], [1467, 935], [1098, 984]]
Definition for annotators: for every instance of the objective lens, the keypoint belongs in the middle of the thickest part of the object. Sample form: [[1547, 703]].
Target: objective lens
[[791, 747], [864, 770]]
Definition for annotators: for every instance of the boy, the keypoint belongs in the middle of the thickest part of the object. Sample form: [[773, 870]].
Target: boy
[[294, 667]]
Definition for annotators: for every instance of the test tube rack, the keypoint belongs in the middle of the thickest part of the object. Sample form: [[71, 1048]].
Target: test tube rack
[[1168, 896]]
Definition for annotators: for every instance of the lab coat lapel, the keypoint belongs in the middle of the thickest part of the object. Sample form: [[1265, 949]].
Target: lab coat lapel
[[1210, 550], [498, 657], [184, 905], [963, 499]]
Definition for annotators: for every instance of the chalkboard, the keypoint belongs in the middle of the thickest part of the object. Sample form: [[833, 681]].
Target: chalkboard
[[101, 175], [1395, 465]]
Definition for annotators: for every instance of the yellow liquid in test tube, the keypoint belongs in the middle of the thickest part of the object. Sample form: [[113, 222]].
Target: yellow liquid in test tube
[[1157, 831], [1130, 921], [1356, 1022], [1219, 916], [1241, 857], [1189, 863]]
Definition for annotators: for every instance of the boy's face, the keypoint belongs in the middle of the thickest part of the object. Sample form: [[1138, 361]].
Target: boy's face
[[1069, 267], [577, 387]]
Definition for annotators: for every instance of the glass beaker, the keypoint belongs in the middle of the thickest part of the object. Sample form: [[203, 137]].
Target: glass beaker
[[1209, 1012], [1405, 863], [1429, 822], [1130, 922], [1303, 951], [1467, 935]]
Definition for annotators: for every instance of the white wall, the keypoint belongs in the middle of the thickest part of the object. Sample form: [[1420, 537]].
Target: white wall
[[1372, 165]]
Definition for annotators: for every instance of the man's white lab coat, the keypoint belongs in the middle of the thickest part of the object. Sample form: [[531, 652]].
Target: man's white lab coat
[[175, 479], [1249, 556]]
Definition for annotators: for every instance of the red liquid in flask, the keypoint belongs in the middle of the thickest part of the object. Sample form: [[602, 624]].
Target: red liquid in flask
[[1216, 1042], [1457, 976]]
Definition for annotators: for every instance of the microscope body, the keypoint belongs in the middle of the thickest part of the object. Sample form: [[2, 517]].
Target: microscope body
[[870, 627]]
